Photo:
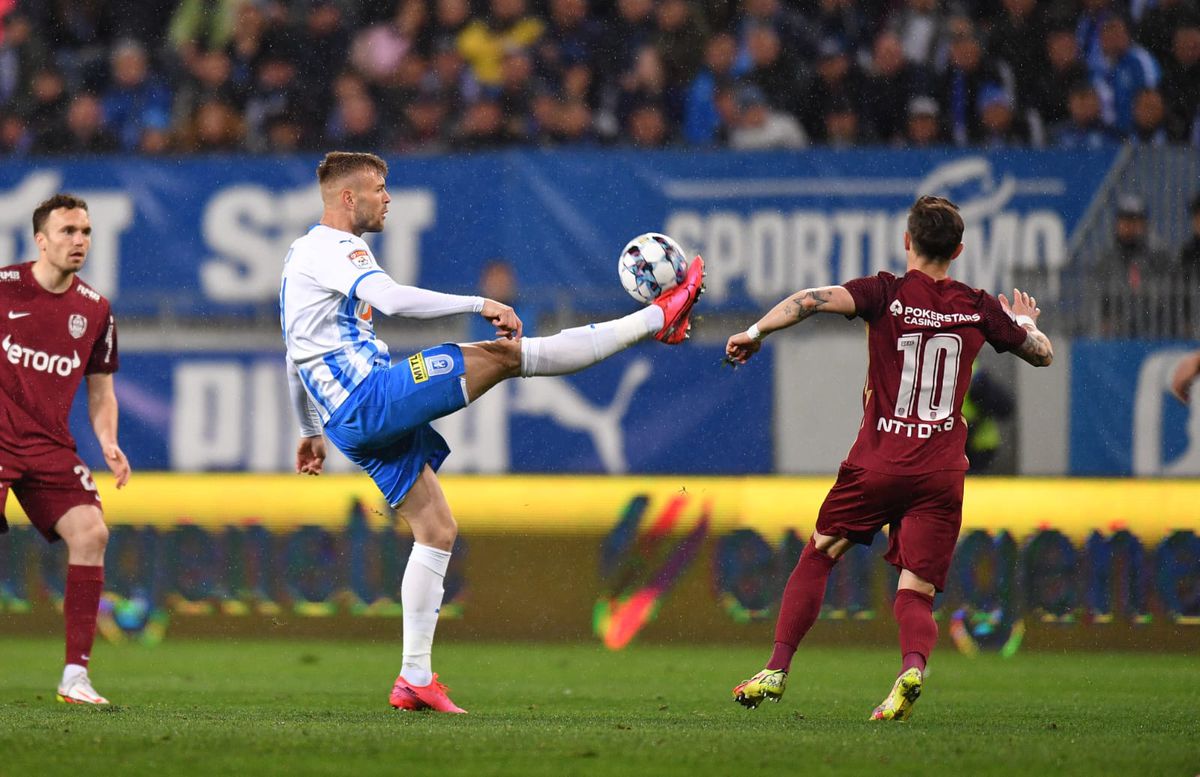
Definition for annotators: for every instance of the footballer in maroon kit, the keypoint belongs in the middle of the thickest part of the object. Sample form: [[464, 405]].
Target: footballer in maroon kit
[[906, 469], [55, 331]]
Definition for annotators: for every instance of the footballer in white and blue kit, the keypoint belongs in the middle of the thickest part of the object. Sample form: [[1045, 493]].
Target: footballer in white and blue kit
[[344, 386], [378, 417]]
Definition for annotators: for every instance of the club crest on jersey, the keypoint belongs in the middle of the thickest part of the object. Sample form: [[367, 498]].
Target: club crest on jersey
[[439, 364], [76, 325], [896, 308], [359, 258]]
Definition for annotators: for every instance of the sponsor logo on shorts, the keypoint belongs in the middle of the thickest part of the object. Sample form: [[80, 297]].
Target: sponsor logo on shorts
[[360, 258], [416, 363], [439, 364], [76, 325], [39, 360]]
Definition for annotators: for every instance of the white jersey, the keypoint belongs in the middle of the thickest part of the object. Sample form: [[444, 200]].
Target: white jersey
[[327, 330]]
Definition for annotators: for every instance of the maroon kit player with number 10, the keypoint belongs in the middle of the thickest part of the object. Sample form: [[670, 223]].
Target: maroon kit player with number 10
[[55, 331], [906, 468]]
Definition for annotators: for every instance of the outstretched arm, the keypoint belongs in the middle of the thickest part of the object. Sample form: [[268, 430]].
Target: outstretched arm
[[392, 299], [102, 409], [792, 310], [1037, 349]]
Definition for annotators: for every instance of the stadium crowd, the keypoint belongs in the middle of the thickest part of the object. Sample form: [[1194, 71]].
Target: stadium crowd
[[187, 76]]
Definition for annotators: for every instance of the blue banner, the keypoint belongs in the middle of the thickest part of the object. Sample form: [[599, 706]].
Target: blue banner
[[651, 409], [207, 236], [1124, 420]]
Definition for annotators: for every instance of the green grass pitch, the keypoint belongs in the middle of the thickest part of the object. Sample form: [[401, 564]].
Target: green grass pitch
[[309, 708]]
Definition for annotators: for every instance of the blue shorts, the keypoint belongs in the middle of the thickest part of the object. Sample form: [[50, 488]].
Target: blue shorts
[[383, 426]]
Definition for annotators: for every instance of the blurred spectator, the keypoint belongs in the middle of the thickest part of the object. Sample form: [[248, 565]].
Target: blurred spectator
[[1092, 15], [1149, 118], [209, 77], [1135, 255], [839, 83], [794, 35], [283, 134], [574, 125], [1053, 82], [967, 72], [214, 128], [758, 126], [573, 39], [647, 126], [22, 55], [634, 28], [647, 83], [424, 127], [841, 123], [1085, 126], [136, 97], [81, 34], [680, 41], [1000, 127], [1189, 253], [86, 133], [987, 405], [843, 20], [15, 137], [1181, 85], [483, 42], [203, 25], [46, 111], [1125, 69], [920, 25], [1156, 29], [517, 91], [774, 69], [354, 122], [275, 93], [1017, 39], [378, 51], [482, 127], [702, 120], [498, 281], [246, 46], [323, 46], [890, 86], [924, 127], [450, 18]]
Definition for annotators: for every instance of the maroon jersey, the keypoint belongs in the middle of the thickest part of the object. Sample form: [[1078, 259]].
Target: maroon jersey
[[922, 338], [50, 341]]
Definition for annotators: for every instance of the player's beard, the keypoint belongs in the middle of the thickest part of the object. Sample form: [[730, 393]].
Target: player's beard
[[373, 225]]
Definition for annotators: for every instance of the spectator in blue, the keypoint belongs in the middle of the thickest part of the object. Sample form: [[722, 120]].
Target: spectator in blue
[[796, 36], [572, 38], [967, 72], [1181, 84], [135, 97], [701, 119], [891, 84], [1126, 69], [1085, 127], [1000, 126]]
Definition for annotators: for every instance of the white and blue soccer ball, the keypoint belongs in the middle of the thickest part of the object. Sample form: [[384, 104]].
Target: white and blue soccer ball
[[651, 264]]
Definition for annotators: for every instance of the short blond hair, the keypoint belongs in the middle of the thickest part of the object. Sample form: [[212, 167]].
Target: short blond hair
[[338, 164]]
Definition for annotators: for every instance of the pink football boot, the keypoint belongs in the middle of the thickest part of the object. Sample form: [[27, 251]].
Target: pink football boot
[[406, 696]]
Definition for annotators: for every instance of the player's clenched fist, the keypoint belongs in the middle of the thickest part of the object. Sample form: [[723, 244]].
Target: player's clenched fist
[[503, 318], [741, 347]]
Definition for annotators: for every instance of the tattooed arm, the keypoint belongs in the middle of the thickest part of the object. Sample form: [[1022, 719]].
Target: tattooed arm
[[1036, 349], [792, 310]]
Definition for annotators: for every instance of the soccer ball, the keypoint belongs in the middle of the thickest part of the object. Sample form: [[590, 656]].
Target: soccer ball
[[651, 264]]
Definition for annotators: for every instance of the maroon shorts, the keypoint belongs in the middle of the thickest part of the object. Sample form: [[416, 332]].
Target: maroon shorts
[[47, 485], [924, 513]]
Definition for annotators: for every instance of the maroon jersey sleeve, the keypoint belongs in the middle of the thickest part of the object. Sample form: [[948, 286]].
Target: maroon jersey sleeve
[[870, 295], [998, 327], [104, 350]]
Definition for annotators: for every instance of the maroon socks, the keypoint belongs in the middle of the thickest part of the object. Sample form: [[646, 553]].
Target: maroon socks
[[80, 607], [918, 631], [802, 598]]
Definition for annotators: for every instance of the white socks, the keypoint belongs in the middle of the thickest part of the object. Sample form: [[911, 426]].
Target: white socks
[[421, 597], [573, 349], [71, 671]]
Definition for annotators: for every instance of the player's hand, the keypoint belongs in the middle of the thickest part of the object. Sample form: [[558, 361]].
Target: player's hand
[[1022, 305], [114, 457], [1184, 375], [740, 348], [503, 318], [310, 455]]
